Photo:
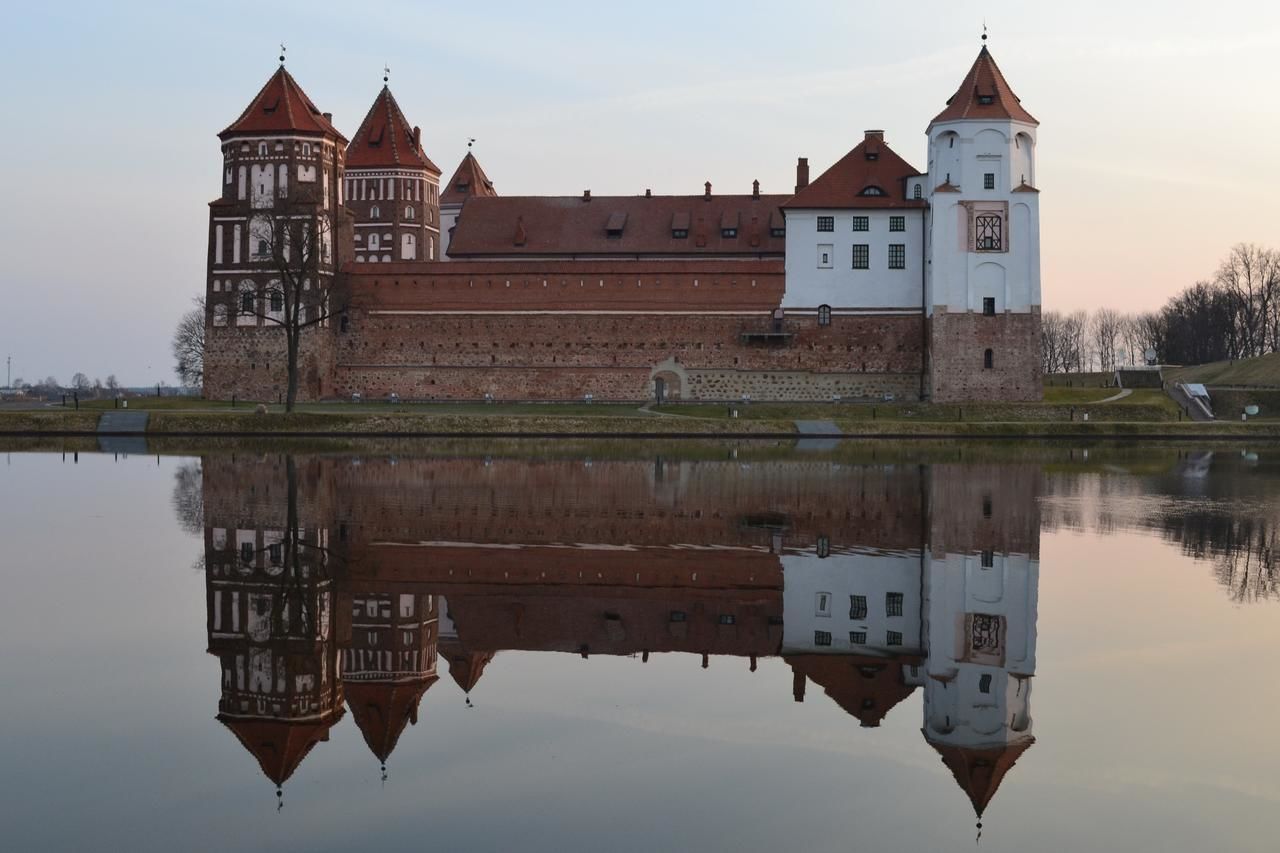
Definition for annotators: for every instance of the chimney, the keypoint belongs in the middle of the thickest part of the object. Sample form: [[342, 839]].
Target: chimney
[[417, 137], [648, 193], [802, 173], [586, 195], [755, 190], [707, 196], [797, 685], [874, 135], [328, 117]]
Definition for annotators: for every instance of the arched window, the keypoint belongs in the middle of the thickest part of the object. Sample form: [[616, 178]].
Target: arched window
[[262, 149], [918, 191], [988, 360], [824, 315], [408, 212], [374, 213], [262, 248], [306, 149]]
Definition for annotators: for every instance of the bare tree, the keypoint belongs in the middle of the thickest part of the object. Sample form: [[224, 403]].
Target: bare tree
[[1248, 274], [188, 496], [1053, 347], [113, 384], [297, 239], [188, 346], [80, 382], [1105, 326]]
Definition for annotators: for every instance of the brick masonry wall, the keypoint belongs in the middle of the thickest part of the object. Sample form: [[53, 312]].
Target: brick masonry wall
[[250, 363], [957, 344]]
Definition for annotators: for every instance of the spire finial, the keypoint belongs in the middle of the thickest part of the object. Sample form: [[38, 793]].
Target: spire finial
[[279, 798], [984, 32], [282, 49], [470, 141], [386, 73]]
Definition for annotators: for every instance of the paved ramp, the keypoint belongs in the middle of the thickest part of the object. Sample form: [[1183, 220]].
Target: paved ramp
[[827, 435], [122, 432]]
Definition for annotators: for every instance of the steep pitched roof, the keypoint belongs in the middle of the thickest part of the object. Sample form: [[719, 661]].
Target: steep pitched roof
[[979, 771], [866, 687], [468, 181], [282, 107], [984, 94], [387, 140], [465, 666], [382, 709], [279, 745], [872, 175], [627, 226]]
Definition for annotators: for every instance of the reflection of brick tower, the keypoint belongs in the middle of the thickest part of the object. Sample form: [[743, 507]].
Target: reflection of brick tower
[[389, 663]]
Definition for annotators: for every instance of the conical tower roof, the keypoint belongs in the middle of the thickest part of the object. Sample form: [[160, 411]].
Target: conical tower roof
[[469, 180], [984, 94], [279, 745], [980, 770], [282, 107], [387, 140], [465, 666], [382, 709]]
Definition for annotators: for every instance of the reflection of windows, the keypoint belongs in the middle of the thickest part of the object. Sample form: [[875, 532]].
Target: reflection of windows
[[858, 638], [277, 301], [897, 256], [984, 683], [822, 604], [276, 553], [857, 607], [826, 223], [987, 232], [861, 256], [822, 638], [246, 552], [246, 302], [988, 559], [893, 604], [727, 619], [893, 638], [678, 616]]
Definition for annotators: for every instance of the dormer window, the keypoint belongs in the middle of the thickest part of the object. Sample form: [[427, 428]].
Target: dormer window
[[872, 191], [777, 232], [679, 233], [728, 233], [986, 100], [918, 192]]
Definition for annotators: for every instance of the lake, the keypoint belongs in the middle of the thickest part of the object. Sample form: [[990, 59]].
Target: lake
[[641, 646]]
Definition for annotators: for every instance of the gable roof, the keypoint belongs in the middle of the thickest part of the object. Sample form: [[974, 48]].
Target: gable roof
[[282, 107], [854, 179], [865, 687], [984, 82], [387, 140], [467, 181], [567, 226]]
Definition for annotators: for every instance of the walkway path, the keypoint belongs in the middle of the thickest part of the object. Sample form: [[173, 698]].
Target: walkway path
[[1125, 393]]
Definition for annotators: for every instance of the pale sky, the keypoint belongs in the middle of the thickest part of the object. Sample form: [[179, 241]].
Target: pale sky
[[1159, 127]]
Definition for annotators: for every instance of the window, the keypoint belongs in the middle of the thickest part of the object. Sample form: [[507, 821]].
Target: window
[[824, 256], [826, 223], [897, 223], [989, 306], [861, 256], [262, 248], [918, 193], [408, 212], [679, 616], [988, 559], [822, 604], [984, 683], [822, 638], [986, 100], [679, 233], [277, 301], [374, 212], [306, 149], [858, 638], [872, 191], [726, 619], [344, 323], [777, 232], [897, 256], [987, 229], [246, 302], [246, 552], [989, 181], [893, 604], [824, 319], [857, 607], [988, 360], [861, 223], [728, 233], [262, 149], [276, 552], [893, 638]]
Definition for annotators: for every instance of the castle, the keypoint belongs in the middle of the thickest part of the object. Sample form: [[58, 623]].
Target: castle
[[873, 281]]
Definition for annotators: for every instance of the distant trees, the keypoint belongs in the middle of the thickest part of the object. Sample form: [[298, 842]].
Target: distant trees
[[188, 347], [80, 382], [1234, 315]]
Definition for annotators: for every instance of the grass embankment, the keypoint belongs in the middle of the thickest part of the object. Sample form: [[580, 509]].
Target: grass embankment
[[1263, 371]]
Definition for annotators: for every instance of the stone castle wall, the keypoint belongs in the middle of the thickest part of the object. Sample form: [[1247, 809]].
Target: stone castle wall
[[958, 342]]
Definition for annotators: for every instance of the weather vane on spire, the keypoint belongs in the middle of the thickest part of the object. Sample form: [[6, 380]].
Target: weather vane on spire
[[984, 31], [470, 141], [386, 73], [282, 53]]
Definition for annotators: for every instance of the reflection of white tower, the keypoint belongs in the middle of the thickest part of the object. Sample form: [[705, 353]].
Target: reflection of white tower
[[980, 645]]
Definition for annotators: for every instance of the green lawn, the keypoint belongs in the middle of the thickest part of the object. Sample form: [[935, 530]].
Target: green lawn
[[1263, 370]]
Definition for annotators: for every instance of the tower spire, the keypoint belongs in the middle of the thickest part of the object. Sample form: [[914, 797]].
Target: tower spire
[[282, 49]]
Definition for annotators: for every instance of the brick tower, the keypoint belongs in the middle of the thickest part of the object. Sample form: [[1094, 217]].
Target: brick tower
[[984, 243], [392, 187], [282, 157]]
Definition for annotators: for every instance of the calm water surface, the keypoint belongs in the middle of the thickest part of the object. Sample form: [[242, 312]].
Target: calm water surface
[[652, 648]]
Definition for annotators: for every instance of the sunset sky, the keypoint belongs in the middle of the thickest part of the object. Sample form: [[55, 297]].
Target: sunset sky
[[1159, 129]]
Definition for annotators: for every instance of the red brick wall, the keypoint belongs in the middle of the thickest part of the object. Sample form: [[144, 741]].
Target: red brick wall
[[958, 342]]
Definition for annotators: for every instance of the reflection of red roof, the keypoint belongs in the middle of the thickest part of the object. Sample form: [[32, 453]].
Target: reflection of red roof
[[864, 686], [279, 745], [465, 667], [618, 225], [984, 94], [387, 140], [282, 107], [381, 710], [469, 180], [871, 176], [980, 771]]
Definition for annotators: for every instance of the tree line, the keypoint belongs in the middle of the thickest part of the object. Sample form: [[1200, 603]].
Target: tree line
[[1235, 314]]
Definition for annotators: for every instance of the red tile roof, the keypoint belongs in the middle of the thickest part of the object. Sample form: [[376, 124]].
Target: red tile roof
[[572, 226], [980, 770], [469, 180], [382, 709], [282, 107], [387, 140], [279, 745], [984, 94], [857, 176], [866, 687], [611, 285]]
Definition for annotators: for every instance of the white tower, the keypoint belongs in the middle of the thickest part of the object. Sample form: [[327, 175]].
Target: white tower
[[983, 279]]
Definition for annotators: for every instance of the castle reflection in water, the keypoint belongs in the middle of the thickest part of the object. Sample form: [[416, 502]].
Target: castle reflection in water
[[338, 583]]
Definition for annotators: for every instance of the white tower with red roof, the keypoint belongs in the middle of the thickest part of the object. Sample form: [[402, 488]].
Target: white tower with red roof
[[984, 243]]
